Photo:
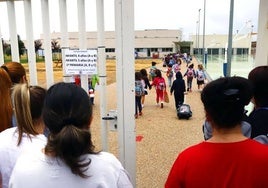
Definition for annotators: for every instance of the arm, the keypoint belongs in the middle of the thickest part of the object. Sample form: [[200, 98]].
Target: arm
[[171, 89], [147, 83]]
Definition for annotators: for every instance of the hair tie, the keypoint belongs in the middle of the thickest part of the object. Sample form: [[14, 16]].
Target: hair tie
[[231, 95]]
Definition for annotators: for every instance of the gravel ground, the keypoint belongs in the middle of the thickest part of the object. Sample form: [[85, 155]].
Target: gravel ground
[[163, 135]]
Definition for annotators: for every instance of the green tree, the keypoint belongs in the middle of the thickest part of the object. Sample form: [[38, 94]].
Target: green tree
[[37, 45], [6, 46], [21, 46], [55, 46]]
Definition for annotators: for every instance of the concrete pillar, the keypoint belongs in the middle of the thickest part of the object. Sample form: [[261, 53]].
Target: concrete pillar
[[124, 29], [262, 46], [13, 31], [30, 42]]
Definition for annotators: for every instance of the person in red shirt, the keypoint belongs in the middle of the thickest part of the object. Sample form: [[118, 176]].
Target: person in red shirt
[[160, 87], [228, 158]]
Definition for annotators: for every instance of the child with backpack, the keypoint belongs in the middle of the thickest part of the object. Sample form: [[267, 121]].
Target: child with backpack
[[152, 71], [178, 87], [139, 92], [190, 73], [169, 75], [200, 76], [160, 87], [146, 84]]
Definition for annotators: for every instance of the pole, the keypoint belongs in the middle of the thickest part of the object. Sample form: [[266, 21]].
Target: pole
[[102, 73], [13, 31], [82, 37], [2, 59], [196, 37], [47, 42], [262, 47], [64, 36], [125, 66], [204, 31], [198, 32], [30, 41], [230, 39]]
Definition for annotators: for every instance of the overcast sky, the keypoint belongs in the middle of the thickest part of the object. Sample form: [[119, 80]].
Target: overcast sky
[[149, 14]]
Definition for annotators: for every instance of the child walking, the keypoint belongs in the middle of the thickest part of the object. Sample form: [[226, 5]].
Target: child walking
[[160, 87], [169, 75], [139, 91], [178, 86], [190, 73], [146, 85], [200, 76]]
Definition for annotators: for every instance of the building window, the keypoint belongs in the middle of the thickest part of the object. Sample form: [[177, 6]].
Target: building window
[[109, 50], [242, 51], [166, 49], [140, 49], [154, 49]]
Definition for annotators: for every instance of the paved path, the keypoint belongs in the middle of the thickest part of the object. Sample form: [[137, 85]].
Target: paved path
[[160, 134]]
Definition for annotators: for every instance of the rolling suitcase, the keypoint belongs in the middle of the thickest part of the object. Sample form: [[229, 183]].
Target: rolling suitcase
[[184, 111]]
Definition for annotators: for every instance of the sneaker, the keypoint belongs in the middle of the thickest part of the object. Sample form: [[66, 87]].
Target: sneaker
[[142, 105], [157, 104], [140, 114], [162, 105], [136, 116]]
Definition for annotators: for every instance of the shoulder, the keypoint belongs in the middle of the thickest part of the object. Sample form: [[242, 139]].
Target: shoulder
[[106, 158], [8, 136]]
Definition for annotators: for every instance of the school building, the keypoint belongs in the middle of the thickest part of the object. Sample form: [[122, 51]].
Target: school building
[[156, 43]]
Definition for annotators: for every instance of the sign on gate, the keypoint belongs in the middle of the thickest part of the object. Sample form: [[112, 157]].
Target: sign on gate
[[80, 61]]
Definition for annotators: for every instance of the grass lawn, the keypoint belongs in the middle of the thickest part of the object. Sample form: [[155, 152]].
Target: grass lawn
[[110, 69]]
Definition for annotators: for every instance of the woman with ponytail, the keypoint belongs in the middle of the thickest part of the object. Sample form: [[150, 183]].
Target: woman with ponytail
[[28, 135], [69, 158]]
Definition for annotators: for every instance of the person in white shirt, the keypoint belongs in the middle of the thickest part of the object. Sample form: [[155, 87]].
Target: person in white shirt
[[28, 135], [69, 158]]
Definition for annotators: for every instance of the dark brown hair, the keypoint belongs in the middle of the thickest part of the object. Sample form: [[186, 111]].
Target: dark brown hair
[[67, 114], [224, 100], [259, 78]]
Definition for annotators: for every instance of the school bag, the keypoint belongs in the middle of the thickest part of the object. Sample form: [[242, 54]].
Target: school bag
[[190, 73], [161, 84], [169, 73], [184, 111], [152, 71], [176, 68], [138, 88], [200, 75]]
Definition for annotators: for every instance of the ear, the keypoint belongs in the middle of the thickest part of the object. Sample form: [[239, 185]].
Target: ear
[[254, 102], [24, 79], [208, 117]]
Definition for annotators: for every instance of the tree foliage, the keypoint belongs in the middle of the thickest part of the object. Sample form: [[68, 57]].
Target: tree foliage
[[55, 46], [37, 45], [21, 46]]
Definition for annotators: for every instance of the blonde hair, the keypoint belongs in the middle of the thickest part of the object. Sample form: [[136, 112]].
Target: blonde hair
[[28, 104], [200, 66], [6, 103]]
